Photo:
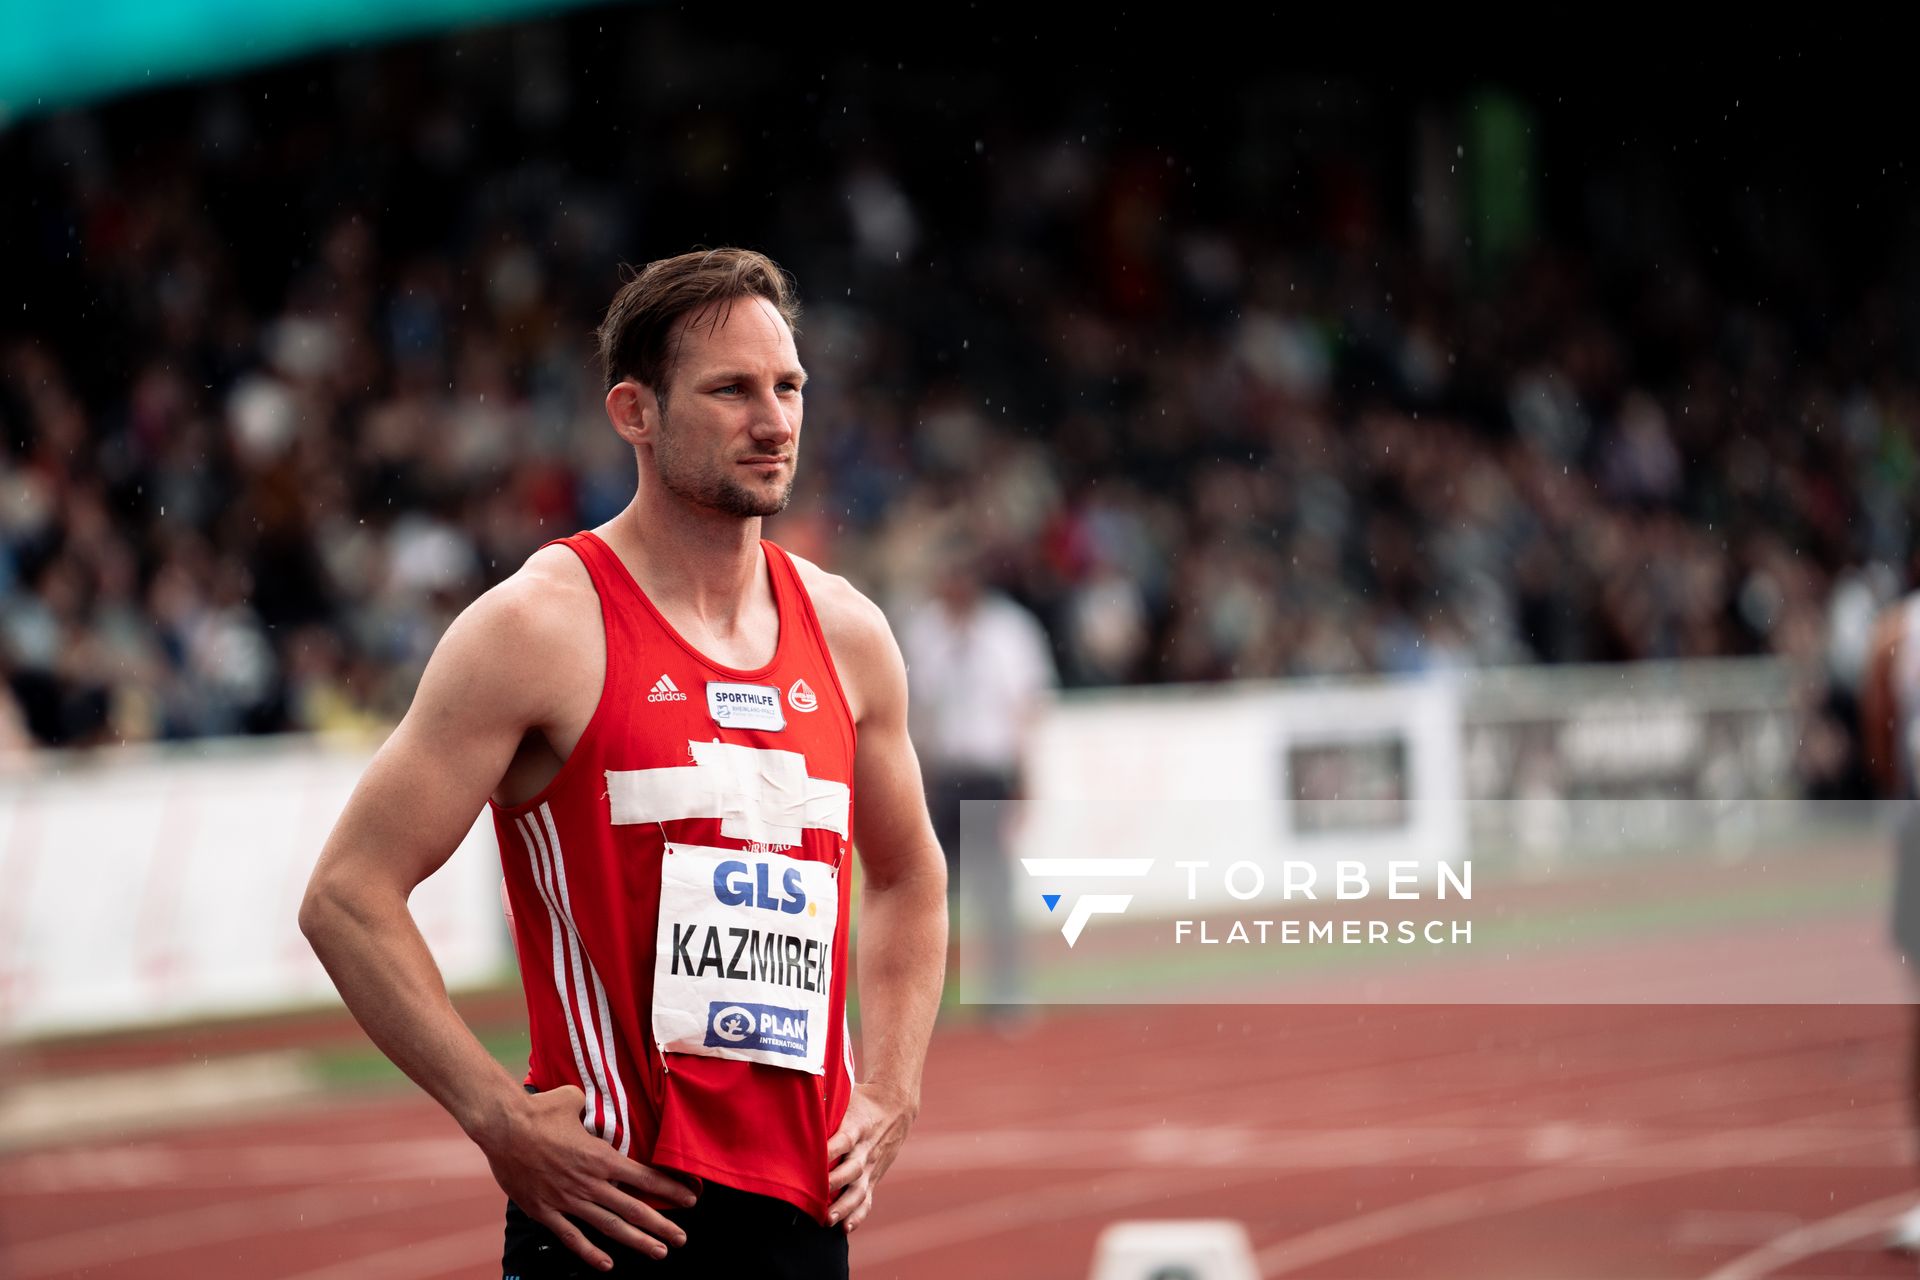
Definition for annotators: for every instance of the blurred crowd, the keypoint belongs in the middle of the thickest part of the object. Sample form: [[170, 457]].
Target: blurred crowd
[[305, 363]]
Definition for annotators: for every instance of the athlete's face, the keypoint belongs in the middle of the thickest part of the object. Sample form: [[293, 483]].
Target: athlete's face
[[729, 432]]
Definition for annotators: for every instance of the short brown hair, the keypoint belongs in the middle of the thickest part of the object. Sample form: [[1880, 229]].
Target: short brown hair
[[641, 321]]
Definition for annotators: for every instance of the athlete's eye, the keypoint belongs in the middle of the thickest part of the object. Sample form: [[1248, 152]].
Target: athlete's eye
[[731, 386], [791, 386]]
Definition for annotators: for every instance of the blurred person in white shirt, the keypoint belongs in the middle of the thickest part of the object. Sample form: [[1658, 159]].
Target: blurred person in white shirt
[[979, 670]]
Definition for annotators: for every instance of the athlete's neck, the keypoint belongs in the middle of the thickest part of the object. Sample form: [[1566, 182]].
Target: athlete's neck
[[691, 561]]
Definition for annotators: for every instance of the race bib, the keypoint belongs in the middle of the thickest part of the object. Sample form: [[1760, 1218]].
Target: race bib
[[743, 964]]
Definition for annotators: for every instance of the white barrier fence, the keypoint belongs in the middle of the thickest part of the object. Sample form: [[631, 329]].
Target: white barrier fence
[[150, 885], [1421, 770]]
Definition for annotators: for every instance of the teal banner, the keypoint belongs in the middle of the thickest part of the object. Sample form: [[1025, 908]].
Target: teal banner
[[55, 53]]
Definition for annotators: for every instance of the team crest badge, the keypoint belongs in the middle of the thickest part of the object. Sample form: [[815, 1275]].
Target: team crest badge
[[801, 698]]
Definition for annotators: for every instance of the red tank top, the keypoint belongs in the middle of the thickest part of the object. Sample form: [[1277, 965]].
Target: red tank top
[[684, 752]]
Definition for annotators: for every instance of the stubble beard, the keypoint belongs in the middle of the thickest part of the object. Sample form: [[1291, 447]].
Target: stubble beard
[[703, 486]]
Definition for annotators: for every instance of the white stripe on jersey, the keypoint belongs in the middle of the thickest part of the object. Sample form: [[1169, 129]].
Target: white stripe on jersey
[[609, 1065], [562, 983], [580, 967]]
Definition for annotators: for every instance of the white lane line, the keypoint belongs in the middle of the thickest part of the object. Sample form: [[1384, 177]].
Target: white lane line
[[1068, 1198], [173, 1168], [1063, 1201], [1276, 1063], [1078, 1200], [1074, 1049], [1816, 1237], [1604, 1173], [1281, 1149], [1649, 1097], [471, 1247], [66, 1109], [73, 1251]]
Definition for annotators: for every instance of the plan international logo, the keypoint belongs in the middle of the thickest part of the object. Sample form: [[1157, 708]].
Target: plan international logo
[[1093, 904]]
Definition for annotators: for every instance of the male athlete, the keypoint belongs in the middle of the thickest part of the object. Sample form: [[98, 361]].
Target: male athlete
[[663, 715]]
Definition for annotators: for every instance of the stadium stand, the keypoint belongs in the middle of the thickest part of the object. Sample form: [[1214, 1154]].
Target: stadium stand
[[307, 364]]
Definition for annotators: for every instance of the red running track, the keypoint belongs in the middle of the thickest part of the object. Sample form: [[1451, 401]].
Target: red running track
[[1729, 1141]]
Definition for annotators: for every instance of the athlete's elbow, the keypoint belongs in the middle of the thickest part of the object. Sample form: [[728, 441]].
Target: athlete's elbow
[[907, 880], [326, 910], [319, 913], [922, 876]]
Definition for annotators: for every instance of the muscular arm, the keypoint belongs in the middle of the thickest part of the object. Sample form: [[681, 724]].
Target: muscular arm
[[903, 927], [411, 809], [903, 930], [493, 677]]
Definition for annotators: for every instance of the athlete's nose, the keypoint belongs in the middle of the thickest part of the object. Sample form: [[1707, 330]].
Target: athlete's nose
[[772, 423]]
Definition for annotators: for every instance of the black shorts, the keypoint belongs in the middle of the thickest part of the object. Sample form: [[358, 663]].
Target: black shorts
[[729, 1233]]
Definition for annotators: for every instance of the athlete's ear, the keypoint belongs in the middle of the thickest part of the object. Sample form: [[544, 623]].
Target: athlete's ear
[[632, 409]]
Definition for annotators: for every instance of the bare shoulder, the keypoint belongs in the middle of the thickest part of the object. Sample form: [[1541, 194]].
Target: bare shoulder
[[553, 585], [857, 632], [845, 612], [523, 641], [542, 604]]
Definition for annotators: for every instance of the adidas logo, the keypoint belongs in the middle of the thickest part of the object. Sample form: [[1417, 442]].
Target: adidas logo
[[664, 691]]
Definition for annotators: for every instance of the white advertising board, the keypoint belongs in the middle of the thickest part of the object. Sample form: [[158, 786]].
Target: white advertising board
[[147, 885]]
